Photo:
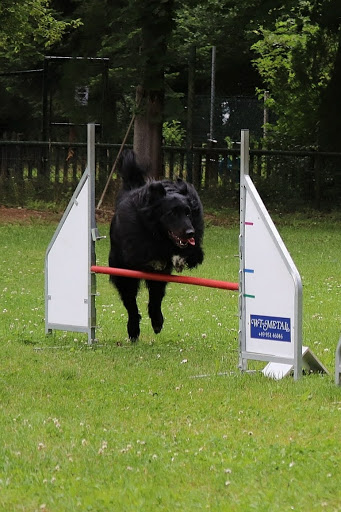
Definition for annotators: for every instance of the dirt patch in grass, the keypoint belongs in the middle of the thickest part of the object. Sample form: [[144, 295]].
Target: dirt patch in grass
[[26, 216]]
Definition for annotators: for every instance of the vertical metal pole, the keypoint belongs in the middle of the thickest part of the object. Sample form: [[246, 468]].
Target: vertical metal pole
[[265, 114], [298, 334], [212, 91], [244, 154], [46, 117], [45, 91], [190, 110], [104, 107], [244, 170], [91, 166]]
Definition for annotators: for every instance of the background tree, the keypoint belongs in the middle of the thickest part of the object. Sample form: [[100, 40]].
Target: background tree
[[329, 19], [297, 57], [155, 20], [295, 46], [27, 30]]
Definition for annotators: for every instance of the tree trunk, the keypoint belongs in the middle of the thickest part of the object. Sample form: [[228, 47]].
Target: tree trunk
[[148, 131], [156, 20]]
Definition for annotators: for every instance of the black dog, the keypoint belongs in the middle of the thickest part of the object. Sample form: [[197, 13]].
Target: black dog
[[157, 226]]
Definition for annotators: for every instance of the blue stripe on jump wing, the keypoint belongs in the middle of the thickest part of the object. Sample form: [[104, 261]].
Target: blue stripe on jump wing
[[249, 270]]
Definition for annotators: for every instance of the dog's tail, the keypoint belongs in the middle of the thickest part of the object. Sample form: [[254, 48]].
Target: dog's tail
[[133, 176]]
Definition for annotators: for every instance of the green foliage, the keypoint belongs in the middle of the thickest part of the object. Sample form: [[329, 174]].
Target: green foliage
[[229, 142], [295, 60], [28, 31], [29, 28], [173, 133]]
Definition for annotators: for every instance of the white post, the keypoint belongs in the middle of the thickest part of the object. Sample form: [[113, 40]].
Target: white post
[[92, 235], [244, 170]]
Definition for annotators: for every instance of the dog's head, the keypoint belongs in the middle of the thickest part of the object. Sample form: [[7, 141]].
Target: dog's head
[[173, 210]]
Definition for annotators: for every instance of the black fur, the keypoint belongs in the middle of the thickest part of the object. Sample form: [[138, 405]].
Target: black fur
[[157, 226]]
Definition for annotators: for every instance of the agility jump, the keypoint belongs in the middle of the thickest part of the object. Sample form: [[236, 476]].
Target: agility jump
[[269, 287]]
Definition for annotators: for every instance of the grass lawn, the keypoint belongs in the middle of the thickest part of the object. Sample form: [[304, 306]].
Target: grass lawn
[[125, 427]]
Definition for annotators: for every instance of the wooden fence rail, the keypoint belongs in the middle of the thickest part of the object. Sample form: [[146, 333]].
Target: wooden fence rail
[[49, 171]]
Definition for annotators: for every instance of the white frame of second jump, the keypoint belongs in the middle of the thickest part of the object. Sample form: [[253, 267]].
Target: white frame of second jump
[[270, 317], [270, 297]]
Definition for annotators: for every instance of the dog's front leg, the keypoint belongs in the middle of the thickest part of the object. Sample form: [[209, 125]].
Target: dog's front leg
[[156, 293], [128, 289]]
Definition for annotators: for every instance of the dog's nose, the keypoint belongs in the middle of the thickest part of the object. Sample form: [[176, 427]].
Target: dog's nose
[[190, 233]]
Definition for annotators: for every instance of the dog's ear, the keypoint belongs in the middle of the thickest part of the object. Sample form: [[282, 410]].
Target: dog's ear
[[182, 186], [156, 191]]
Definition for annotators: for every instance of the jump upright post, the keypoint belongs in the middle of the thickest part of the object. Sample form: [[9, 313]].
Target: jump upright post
[[270, 288], [70, 286]]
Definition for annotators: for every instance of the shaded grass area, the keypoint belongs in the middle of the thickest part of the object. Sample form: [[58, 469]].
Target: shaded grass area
[[136, 427]]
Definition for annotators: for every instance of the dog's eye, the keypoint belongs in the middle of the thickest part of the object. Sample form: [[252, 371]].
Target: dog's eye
[[187, 212]]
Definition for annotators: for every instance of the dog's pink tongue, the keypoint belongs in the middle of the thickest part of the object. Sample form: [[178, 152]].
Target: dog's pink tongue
[[191, 241]]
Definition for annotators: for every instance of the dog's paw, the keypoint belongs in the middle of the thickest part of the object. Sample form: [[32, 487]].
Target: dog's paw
[[178, 263], [133, 327], [195, 259], [157, 322]]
